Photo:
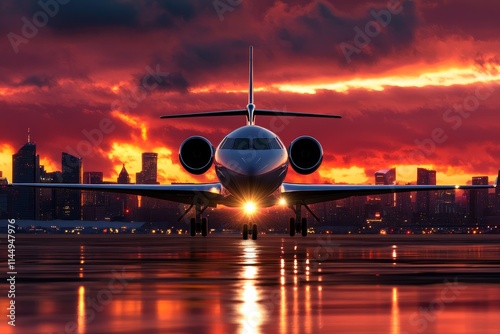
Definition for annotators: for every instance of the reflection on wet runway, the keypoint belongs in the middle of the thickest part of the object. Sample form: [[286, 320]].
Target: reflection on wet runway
[[220, 284]]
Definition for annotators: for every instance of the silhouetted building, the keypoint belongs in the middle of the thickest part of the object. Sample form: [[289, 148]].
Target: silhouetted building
[[123, 177], [445, 202], [93, 207], [478, 200], [386, 177], [404, 207], [149, 168], [425, 199], [4, 199], [69, 201], [25, 169]]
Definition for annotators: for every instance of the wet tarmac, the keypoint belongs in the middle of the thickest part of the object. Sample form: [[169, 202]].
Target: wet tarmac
[[276, 284]]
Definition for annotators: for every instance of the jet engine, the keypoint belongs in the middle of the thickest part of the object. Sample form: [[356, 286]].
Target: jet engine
[[196, 154], [305, 154]]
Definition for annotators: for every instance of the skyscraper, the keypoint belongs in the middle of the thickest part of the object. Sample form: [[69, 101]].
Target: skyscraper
[[386, 177], [25, 169], [425, 199], [69, 202], [93, 207], [478, 199], [149, 168]]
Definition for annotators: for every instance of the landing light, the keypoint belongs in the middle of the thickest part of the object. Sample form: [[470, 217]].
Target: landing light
[[250, 208], [282, 202]]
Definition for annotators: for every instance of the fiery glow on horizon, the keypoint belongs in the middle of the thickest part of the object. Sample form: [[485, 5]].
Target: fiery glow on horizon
[[6, 152], [444, 78]]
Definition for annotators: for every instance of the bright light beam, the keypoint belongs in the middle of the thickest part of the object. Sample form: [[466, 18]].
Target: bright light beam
[[250, 208]]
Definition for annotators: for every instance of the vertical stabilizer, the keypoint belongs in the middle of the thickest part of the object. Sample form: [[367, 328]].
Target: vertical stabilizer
[[250, 80]]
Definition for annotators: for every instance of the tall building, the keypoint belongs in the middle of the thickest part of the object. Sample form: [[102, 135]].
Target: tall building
[[478, 200], [149, 168], [123, 177], [48, 202], [69, 201], [93, 207], [386, 177], [425, 199], [25, 169]]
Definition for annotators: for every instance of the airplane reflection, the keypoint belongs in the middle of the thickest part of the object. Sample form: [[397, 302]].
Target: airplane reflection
[[251, 313], [81, 319]]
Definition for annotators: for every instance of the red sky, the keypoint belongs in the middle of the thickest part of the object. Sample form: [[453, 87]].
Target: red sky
[[427, 72]]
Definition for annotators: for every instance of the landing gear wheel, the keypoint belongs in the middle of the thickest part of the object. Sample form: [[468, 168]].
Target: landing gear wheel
[[254, 232], [292, 227], [192, 227], [245, 232], [304, 227], [204, 227]]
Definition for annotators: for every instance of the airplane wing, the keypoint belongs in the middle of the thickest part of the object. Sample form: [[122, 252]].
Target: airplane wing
[[316, 193], [208, 194]]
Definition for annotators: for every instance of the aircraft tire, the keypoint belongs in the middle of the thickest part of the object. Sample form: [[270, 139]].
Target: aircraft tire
[[192, 227], [245, 232], [204, 226]]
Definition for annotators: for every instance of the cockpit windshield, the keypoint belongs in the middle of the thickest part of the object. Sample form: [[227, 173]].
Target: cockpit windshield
[[251, 144]]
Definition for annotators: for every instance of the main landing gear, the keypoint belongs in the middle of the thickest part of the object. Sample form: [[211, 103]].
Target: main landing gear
[[254, 231], [299, 224], [198, 224]]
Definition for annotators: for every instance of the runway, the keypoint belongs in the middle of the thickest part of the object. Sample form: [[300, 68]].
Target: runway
[[276, 284]]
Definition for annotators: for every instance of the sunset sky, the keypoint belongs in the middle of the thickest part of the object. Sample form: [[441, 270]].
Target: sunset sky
[[417, 82]]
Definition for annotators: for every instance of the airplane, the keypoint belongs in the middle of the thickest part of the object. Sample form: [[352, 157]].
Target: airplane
[[251, 163]]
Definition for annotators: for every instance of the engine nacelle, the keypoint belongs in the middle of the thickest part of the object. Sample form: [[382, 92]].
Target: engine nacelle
[[196, 154], [305, 154]]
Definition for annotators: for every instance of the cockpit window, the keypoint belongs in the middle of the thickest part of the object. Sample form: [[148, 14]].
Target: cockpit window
[[241, 144], [227, 144], [261, 144], [251, 144]]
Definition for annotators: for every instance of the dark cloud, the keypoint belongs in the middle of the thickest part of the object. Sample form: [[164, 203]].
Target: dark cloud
[[38, 80]]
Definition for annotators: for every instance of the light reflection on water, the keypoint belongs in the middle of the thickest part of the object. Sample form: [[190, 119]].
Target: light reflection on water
[[277, 285]]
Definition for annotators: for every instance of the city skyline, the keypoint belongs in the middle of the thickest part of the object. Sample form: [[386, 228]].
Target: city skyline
[[138, 163], [421, 90]]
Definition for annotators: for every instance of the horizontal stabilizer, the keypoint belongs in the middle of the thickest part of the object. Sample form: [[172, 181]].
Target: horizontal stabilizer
[[244, 112], [239, 112], [263, 112]]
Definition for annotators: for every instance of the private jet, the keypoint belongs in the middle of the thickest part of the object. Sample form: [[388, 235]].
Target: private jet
[[251, 164]]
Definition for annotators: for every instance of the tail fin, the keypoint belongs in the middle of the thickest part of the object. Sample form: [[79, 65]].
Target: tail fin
[[250, 80], [250, 110]]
